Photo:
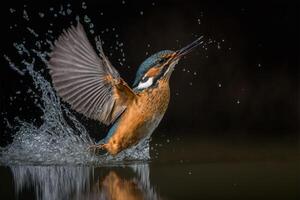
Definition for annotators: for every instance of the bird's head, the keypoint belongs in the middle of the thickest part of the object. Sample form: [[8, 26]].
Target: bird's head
[[160, 66]]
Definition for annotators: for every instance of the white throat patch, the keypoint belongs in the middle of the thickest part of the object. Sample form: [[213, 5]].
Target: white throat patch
[[146, 84]]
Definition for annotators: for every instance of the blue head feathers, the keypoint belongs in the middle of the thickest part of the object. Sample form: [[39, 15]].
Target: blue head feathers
[[148, 63]]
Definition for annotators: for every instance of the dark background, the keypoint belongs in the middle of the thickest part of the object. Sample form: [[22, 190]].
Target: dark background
[[257, 64]]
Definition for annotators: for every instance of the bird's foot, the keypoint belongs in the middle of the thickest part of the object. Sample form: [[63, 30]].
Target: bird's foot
[[95, 148]]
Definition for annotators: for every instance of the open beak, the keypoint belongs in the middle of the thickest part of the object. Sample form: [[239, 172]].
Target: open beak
[[187, 49], [182, 52]]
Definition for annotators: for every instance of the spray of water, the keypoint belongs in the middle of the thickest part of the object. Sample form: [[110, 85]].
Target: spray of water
[[61, 138]]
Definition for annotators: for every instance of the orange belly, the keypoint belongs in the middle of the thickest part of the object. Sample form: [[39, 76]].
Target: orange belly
[[140, 118]]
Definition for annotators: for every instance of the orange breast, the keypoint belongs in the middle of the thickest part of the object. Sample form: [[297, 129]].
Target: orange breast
[[140, 118]]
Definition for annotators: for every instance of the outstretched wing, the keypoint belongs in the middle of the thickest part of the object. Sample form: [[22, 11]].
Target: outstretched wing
[[88, 82]]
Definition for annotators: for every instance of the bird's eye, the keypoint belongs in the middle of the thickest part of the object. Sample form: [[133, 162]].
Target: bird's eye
[[162, 60]]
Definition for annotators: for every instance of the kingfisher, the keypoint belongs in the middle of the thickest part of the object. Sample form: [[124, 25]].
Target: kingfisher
[[93, 87]]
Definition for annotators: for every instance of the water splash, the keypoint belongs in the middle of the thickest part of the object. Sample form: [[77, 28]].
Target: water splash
[[55, 141], [60, 138]]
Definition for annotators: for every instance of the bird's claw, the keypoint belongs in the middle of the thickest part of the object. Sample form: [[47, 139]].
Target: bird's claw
[[95, 148]]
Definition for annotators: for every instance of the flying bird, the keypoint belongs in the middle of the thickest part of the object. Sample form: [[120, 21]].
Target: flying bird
[[93, 87]]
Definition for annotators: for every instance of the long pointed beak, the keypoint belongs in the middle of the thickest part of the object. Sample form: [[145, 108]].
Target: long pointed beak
[[179, 53], [187, 49]]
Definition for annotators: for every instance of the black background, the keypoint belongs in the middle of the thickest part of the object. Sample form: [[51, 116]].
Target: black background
[[257, 64]]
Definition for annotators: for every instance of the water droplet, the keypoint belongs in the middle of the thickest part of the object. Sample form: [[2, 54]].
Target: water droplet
[[86, 19], [41, 14], [62, 11], [83, 5], [69, 11], [25, 15], [199, 21], [11, 10]]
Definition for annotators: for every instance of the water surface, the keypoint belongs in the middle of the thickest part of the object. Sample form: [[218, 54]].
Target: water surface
[[179, 169]]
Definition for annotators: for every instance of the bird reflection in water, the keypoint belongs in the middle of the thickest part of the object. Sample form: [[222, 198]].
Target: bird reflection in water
[[114, 187], [81, 182]]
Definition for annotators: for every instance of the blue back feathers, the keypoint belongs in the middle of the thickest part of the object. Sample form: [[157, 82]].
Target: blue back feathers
[[149, 63]]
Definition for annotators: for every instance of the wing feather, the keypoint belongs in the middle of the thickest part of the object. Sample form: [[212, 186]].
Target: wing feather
[[88, 82]]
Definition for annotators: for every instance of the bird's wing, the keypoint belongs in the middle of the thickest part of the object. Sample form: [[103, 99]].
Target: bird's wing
[[88, 82]]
